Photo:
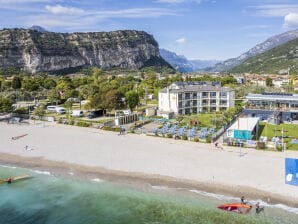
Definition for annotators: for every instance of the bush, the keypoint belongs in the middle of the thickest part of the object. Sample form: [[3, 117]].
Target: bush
[[107, 128], [21, 110], [169, 136], [196, 139], [184, 137], [208, 139], [81, 124]]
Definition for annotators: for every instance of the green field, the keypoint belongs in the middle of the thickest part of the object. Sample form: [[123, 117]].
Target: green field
[[290, 132]]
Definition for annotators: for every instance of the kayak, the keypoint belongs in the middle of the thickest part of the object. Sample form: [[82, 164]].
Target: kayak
[[13, 179], [237, 208]]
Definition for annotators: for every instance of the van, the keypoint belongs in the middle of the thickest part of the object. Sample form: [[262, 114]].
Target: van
[[77, 113], [60, 110], [51, 108], [96, 113]]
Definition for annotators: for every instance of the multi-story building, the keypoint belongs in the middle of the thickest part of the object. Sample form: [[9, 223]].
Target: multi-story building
[[195, 97]]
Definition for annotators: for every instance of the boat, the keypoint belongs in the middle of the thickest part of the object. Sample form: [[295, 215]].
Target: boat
[[236, 207], [13, 179]]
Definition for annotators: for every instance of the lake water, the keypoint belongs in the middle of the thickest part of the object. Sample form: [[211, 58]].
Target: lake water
[[46, 198]]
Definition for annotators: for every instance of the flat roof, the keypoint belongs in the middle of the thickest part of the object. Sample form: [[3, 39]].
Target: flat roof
[[245, 124], [276, 97]]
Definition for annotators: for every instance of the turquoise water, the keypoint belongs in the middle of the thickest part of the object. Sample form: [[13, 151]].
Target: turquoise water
[[50, 199]]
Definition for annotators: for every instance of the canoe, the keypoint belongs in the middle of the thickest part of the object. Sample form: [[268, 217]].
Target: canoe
[[13, 179], [237, 208]]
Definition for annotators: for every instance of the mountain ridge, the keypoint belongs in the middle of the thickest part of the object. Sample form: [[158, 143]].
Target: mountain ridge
[[268, 44], [35, 51], [182, 64]]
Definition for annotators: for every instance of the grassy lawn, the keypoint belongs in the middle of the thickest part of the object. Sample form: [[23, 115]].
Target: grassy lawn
[[204, 120], [290, 132]]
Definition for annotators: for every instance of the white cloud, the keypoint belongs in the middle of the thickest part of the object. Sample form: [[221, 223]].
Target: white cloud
[[135, 13], [291, 20], [178, 1], [21, 1], [181, 40], [276, 10], [58, 9]]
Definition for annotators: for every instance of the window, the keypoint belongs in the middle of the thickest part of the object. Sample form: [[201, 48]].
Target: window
[[194, 95], [180, 105], [212, 102], [180, 111], [187, 111], [194, 102], [187, 96], [187, 104], [223, 94], [194, 110], [180, 96], [223, 102], [213, 94], [204, 94]]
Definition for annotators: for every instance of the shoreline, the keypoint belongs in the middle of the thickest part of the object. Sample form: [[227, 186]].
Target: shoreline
[[140, 179], [144, 160]]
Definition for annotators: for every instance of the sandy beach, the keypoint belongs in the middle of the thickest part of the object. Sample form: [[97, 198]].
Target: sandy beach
[[148, 160]]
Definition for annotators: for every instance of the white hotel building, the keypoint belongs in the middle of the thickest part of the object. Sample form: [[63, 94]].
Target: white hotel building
[[195, 97]]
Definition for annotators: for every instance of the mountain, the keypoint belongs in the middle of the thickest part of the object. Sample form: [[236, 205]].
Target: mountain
[[258, 49], [182, 64], [275, 61], [38, 28], [35, 51]]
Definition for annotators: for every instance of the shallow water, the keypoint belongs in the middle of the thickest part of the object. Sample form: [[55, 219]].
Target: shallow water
[[49, 199]]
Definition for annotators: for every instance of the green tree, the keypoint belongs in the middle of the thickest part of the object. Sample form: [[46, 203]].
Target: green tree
[[39, 111], [268, 82], [112, 100], [54, 96], [16, 82], [5, 104], [132, 99]]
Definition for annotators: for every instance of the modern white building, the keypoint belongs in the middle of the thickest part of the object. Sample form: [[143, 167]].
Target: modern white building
[[195, 97]]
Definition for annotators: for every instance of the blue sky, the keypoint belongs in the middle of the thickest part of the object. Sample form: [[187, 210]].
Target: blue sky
[[197, 29]]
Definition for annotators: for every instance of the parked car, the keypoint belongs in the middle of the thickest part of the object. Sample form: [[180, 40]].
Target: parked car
[[77, 113], [51, 108], [96, 113], [60, 110]]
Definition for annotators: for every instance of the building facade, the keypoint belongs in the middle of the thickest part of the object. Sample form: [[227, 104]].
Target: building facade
[[195, 97]]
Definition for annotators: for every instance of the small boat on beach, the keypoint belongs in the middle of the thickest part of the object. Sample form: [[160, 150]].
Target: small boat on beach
[[237, 208], [13, 179]]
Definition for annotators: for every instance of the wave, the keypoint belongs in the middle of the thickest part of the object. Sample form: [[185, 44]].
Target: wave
[[10, 167], [97, 180], [42, 172], [231, 198]]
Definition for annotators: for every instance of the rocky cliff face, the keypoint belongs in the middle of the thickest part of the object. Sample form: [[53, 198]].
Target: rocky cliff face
[[35, 51]]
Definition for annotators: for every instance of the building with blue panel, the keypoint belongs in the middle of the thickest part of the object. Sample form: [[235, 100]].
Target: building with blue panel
[[291, 168], [245, 128]]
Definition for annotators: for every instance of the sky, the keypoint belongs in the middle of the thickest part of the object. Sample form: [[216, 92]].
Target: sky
[[197, 29]]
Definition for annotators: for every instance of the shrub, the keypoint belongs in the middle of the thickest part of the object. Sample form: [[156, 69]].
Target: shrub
[[184, 137], [196, 139], [169, 136], [208, 139], [81, 124], [21, 110]]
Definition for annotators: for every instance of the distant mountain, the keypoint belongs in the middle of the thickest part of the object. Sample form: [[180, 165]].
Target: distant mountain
[[38, 28], [258, 49], [182, 64], [275, 61]]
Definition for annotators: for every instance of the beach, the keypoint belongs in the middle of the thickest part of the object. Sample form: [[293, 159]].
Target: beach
[[141, 159]]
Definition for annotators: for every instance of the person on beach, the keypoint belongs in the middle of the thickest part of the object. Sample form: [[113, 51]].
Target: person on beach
[[242, 200], [9, 181], [258, 208], [26, 148]]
